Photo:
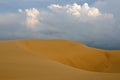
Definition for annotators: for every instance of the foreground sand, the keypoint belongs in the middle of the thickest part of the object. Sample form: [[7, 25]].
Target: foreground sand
[[56, 60]]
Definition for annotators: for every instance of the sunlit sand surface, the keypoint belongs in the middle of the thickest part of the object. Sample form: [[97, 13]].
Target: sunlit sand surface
[[56, 60]]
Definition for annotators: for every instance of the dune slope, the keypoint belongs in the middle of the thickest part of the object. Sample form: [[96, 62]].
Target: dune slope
[[41, 60], [75, 54]]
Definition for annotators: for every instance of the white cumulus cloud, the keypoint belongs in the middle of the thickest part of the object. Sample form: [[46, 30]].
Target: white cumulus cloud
[[32, 17], [55, 6], [20, 10], [77, 10]]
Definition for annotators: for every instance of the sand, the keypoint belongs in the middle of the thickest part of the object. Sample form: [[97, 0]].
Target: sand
[[56, 60]]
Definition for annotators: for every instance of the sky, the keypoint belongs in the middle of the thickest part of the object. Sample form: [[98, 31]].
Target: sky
[[95, 23]]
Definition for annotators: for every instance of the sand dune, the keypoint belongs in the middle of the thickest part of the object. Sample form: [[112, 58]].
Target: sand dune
[[56, 60]]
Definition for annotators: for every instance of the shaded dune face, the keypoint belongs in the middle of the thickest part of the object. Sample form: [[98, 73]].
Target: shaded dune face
[[74, 54]]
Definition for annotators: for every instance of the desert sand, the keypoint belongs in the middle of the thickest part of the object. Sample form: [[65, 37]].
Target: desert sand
[[56, 60]]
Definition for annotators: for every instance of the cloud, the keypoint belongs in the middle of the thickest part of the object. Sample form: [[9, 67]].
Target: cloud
[[32, 16], [20, 10], [77, 10], [55, 6]]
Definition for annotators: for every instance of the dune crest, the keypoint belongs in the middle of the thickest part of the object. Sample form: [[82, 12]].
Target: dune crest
[[75, 54]]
